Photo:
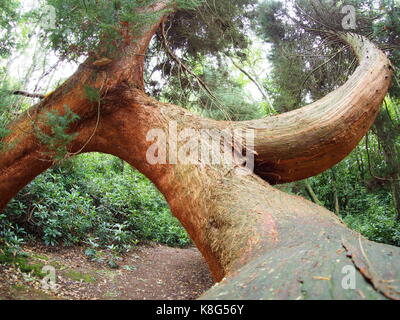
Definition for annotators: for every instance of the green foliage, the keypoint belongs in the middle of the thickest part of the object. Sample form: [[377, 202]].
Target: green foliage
[[79, 276], [93, 94], [9, 17], [378, 221], [6, 102], [189, 4], [91, 201], [11, 235], [229, 99], [211, 28], [82, 25], [22, 262], [365, 202], [58, 139], [305, 65]]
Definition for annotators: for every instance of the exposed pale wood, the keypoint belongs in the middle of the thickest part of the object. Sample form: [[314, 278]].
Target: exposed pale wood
[[307, 141]]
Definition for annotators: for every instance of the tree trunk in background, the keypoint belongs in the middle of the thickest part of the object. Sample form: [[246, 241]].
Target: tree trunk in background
[[335, 192], [385, 131], [258, 241], [311, 193], [360, 165]]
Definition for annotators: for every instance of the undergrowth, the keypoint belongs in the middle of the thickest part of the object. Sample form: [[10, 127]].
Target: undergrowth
[[94, 200]]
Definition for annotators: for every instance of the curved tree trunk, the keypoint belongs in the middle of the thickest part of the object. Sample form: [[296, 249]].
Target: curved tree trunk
[[261, 242]]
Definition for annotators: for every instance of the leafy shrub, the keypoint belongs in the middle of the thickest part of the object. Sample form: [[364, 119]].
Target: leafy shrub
[[96, 200], [378, 223], [367, 210], [11, 236]]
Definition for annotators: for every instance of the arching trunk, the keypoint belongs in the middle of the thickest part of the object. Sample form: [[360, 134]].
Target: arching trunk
[[307, 141], [265, 243]]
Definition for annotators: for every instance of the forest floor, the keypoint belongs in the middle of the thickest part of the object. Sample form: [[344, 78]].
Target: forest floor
[[146, 272]]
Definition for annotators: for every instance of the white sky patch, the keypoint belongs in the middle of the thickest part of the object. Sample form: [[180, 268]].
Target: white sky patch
[[39, 77], [261, 68], [32, 65]]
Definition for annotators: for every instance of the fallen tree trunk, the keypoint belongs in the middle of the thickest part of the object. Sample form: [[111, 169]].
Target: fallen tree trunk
[[264, 243]]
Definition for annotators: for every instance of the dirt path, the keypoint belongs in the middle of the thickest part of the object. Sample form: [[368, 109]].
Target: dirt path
[[148, 272]]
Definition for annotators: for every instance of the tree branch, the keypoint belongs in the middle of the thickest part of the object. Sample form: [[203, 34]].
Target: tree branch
[[307, 141], [29, 95]]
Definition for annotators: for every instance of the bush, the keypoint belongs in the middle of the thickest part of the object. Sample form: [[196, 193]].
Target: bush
[[93, 199], [377, 223], [368, 210]]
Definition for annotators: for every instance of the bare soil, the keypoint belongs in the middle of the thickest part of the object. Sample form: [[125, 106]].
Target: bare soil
[[147, 272]]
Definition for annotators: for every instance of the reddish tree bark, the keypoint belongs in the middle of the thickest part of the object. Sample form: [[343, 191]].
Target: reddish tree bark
[[262, 242]]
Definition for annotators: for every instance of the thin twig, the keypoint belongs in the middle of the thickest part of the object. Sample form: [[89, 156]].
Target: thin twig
[[202, 84], [29, 95]]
